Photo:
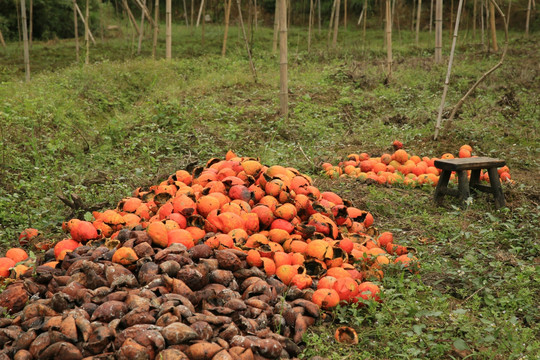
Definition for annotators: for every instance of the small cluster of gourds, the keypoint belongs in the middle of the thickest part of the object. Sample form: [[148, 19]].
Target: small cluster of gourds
[[234, 225], [400, 168]]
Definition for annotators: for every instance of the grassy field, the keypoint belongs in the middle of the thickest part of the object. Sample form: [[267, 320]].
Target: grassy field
[[99, 131]]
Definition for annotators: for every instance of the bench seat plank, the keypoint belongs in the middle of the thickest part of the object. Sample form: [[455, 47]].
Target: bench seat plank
[[473, 163]]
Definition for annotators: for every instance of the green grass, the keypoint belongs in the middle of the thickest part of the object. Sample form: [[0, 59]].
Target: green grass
[[125, 121]]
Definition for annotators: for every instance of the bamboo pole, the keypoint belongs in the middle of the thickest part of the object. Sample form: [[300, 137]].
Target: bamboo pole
[[319, 11], [276, 29], [141, 34], [493, 29], [256, 16], [185, 13], [192, 13], [2, 42], [76, 28], [84, 23], [18, 20], [474, 19], [200, 13], [31, 23], [226, 33], [360, 17], [310, 25], [449, 70], [25, 41], [345, 14], [430, 16], [388, 38], [336, 25], [131, 17], [482, 23], [87, 32], [332, 15], [145, 11], [451, 17], [418, 12], [246, 41], [438, 31], [289, 11], [528, 19], [203, 27], [156, 29], [486, 74], [168, 30], [283, 83]]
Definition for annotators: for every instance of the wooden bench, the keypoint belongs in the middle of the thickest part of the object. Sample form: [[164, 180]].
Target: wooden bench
[[475, 164]]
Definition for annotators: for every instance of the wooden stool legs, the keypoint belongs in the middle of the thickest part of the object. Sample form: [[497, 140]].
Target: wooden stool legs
[[463, 185], [442, 186], [496, 187]]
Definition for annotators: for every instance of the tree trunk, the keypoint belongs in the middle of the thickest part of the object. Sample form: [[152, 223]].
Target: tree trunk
[[388, 39], [31, 23], [76, 27], [25, 41], [418, 12], [141, 34], [336, 25], [226, 33], [254, 72], [276, 28], [449, 71], [168, 30], [528, 20], [493, 29], [87, 32], [283, 88], [438, 31], [156, 29], [310, 25]]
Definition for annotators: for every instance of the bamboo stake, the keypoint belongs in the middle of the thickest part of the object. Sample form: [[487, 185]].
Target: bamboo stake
[[493, 29], [192, 13], [87, 32], [203, 27], [486, 74], [430, 16], [419, 11], [336, 25], [332, 14], [438, 31], [508, 12], [474, 19], [276, 29], [527, 21], [310, 25], [25, 41], [360, 17], [388, 39], [283, 88], [168, 30], [226, 33], [365, 21], [200, 13], [246, 40], [2, 40], [84, 23], [141, 34], [449, 70], [18, 20], [31, 23], [76, 27], [451, 17], [256, 16], [145, 11], [156, 29]]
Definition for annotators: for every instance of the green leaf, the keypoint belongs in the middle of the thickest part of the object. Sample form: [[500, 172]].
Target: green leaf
[[88, 216], [459, 311], [461, 345], [418, 328]]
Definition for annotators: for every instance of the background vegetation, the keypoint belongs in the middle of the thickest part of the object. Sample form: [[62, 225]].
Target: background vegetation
[[124, 121]]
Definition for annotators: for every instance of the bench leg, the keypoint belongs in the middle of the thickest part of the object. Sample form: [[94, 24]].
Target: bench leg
[[441, 186], [496, 187], [475, 179], [463, 185]]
